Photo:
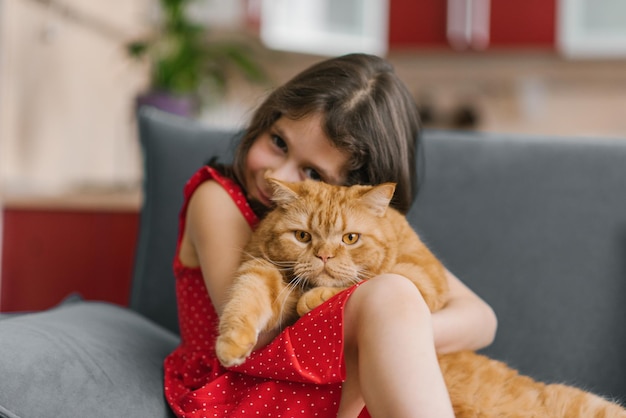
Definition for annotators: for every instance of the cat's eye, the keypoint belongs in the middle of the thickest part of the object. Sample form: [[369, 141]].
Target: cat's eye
[[350, 238], [302, 236]]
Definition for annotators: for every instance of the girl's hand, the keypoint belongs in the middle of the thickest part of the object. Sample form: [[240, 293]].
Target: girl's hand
[[466, 322]]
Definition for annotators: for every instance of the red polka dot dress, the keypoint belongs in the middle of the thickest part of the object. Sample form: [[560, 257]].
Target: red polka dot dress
[[299, 374]]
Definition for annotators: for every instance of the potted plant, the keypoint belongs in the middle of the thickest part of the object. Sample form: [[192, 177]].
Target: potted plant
[[185, 63]]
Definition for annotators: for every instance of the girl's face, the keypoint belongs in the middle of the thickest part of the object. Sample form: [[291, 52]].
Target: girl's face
[[292, 150]]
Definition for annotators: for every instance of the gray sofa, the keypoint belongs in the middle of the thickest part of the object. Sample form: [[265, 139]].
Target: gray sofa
[[537, 226]]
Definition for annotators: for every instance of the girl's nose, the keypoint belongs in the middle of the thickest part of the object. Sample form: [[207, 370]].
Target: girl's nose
[[284, 172]]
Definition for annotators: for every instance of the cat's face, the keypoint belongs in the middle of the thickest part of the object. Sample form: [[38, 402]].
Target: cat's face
[[329, 235]]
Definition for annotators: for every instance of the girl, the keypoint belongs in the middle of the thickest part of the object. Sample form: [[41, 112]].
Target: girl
[[346, 120]]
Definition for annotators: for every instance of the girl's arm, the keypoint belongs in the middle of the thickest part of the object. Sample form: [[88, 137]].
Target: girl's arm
[[466, 322], [215, 234]]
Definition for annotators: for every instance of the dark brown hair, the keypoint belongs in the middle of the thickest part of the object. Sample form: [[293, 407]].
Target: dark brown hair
[[367, 111]]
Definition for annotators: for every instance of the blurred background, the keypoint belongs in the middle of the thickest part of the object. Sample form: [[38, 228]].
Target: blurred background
[[72, 73]]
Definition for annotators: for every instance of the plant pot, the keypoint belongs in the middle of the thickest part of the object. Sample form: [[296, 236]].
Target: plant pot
[[185, 106]]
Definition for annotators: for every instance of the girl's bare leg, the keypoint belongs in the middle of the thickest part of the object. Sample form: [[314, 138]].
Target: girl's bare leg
[[391, 364]]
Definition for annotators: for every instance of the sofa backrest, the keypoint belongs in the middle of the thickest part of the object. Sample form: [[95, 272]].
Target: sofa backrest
[[536, 226], [173, 148]]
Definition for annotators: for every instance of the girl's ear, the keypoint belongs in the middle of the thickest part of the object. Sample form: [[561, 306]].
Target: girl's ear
[[378, 198], [283, 193]]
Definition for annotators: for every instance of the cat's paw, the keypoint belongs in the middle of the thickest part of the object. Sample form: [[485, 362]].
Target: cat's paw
[[314, 298], [234, 347]]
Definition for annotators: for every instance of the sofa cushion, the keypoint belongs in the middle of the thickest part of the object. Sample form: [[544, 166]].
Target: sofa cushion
[[84, 359]]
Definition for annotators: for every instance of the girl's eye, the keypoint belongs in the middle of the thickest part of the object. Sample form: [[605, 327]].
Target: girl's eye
[[279, 143], [302, 236], [312, 174], [351, 238]]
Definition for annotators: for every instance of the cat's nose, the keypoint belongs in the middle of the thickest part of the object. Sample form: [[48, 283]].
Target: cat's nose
[[324, 256]]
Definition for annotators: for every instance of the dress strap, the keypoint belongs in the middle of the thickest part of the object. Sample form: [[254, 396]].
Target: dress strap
[[232, 188]]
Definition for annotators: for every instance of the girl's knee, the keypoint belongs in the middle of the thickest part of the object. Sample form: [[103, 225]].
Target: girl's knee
[[391, 289], [388, 296], [388, 304]]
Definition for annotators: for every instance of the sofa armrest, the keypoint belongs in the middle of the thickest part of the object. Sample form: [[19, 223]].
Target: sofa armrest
[[83, 359]]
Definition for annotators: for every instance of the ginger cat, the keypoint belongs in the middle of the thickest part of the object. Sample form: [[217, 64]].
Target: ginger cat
[[321, 239]]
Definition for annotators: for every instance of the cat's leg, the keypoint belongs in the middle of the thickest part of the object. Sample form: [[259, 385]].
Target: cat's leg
[[260, 300], [313, 298]]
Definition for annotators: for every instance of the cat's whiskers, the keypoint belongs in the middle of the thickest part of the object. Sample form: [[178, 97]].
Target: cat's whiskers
[[297, 281], [280, 265], [289, 290], [362, 275], [355, 280], [285, 263]]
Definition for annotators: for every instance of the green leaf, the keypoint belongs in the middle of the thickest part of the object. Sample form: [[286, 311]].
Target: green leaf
[[137, 49]]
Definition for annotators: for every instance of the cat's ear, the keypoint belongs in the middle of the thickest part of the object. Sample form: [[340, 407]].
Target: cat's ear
[[379, 197], [282, 193]]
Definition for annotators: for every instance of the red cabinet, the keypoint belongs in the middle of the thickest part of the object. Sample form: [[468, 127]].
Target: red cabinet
[[49, 253], [513, 24]]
